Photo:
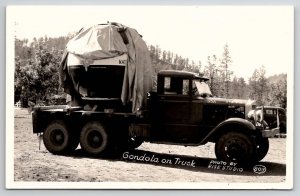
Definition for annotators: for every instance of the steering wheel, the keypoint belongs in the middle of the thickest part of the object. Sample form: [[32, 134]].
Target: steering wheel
[[195, 91]]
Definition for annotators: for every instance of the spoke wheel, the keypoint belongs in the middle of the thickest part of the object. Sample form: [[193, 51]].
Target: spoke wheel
[[94, 138], [236, 147], [58, 139]]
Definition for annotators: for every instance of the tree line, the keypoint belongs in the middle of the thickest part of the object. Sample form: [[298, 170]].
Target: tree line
[[36, 73], [222, 81], [36, 70]]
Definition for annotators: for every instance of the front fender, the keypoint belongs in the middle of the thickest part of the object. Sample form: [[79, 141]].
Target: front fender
[[229, 124]]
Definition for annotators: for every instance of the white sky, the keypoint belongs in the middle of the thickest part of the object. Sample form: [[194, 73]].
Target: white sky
[[256, 35]]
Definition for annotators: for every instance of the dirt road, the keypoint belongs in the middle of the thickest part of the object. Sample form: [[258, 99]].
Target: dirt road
[[149, 163]]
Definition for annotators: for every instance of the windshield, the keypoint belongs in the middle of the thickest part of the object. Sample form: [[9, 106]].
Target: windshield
[[201, 88]]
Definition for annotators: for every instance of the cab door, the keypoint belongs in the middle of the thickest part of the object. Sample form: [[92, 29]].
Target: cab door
[[173, 111]]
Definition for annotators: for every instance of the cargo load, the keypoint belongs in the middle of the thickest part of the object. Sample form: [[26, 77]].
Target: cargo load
[[107, 62]]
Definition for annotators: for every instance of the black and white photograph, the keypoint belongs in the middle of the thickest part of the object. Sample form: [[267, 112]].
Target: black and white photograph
[[149, 97]]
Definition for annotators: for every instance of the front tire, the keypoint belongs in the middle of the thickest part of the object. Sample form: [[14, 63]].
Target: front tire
[[235, 147], [134, 142], [262, 148], [58, 139], [94, 138]]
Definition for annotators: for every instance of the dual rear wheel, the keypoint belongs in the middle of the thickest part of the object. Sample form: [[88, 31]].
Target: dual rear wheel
[[94, 138], [59, 138]]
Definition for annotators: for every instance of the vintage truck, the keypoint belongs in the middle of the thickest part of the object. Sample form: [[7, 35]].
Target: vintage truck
[[181, 112], [106, 70], [274, 115]]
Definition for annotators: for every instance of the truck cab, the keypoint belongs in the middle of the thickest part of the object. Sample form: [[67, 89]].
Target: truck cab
[[183, 110]]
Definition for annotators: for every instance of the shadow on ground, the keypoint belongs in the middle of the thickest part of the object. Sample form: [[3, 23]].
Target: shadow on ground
[[191, 163]]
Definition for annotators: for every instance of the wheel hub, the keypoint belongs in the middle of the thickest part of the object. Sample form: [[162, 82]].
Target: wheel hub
[[235, 149], [94, 139], [57, 137]]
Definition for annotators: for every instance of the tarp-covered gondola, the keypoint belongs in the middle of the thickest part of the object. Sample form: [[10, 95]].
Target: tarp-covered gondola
[[107, 62]]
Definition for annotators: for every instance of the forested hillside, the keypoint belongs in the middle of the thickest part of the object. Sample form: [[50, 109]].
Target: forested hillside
[[36, 75]]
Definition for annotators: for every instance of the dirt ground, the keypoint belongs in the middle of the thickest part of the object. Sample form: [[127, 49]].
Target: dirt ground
[[157, 162]]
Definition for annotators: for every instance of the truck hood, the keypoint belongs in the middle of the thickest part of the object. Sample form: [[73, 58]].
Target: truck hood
[[248, 104], [229, 101]]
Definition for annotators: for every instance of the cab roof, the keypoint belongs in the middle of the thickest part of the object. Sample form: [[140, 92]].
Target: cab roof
[[181, 74]]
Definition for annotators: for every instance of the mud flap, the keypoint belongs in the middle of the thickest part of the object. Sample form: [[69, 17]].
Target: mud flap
[[40, 138]]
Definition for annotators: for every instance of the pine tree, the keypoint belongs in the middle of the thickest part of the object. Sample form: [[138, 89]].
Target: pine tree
[[278, 93], [211, 73], [225, 63], [259, 87]]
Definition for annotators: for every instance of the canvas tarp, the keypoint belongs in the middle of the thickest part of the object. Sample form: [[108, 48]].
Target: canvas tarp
[[108, 41]]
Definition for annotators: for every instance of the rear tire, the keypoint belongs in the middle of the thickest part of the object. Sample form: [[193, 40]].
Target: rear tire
[[58, 139], [94, 139], [236, 147]]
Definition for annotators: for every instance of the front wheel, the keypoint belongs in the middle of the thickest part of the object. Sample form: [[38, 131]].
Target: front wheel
[[236, 147], [262, 148], [134, 142]]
